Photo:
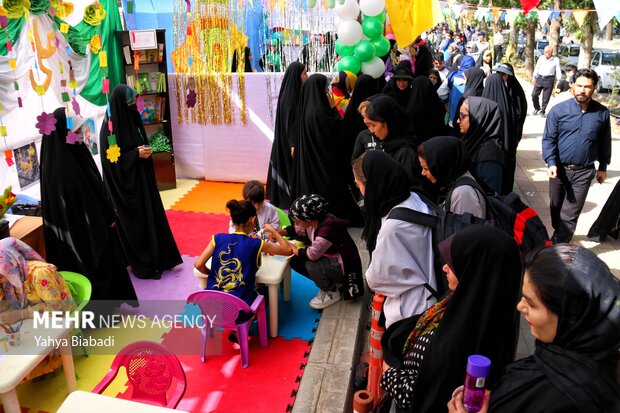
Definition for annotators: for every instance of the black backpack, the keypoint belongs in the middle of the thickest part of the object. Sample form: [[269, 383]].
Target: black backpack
[[444, 224], [511, 215]]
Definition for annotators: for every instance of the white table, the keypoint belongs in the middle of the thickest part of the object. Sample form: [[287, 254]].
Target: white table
[[86, 402], [17, 362], [275, 269]]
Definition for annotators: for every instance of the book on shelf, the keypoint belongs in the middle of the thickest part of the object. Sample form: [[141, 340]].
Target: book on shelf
[[160, 108], [151, 55], [127, 55], [160, 48], [143, 83], [130, 81], [154, 109]]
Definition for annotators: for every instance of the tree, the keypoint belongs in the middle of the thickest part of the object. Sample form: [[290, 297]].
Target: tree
[[585, 33], [556, 23]]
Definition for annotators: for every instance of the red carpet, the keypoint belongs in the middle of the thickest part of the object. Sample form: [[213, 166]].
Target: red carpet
[[193, 230], [268, 385]]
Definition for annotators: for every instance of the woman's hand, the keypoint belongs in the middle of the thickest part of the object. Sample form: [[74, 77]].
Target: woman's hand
[[11, 316], [145, 151], [455, 405]]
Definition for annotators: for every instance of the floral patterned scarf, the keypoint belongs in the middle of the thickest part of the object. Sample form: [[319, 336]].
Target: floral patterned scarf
[[13, 256], [427, 322]]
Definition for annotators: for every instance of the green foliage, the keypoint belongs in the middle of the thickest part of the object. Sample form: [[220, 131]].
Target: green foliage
[[160, 142]]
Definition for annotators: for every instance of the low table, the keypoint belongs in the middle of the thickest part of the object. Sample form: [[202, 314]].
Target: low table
[[275, 269], [17, 362], [30, 230], [86, 402]]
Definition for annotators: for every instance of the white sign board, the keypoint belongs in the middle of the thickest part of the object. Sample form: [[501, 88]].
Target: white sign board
[[143, 39]]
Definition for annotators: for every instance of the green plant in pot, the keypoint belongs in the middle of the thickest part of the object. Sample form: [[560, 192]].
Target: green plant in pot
[[7, 199], [160, 142]]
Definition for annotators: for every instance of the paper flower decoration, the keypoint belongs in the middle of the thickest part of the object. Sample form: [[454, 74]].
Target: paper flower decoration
[[8, 157], [191, 99], [62, 9], [76, 106], [7, 199], [113, 153], [140, 104], [73, 138], [15, 8], [94, 14], [46, 123], [95, 43]]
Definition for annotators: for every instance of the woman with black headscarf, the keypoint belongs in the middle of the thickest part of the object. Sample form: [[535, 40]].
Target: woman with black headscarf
[[247, 61], [402, 262], [444, 161], [425, 110], [427, 354], [78, 219], [279, 175], [317, 166], [399, 85], [435, 78], [423, 60], [474, 82], [608, 221], [571, 303], [388, 122], [142, 225], [365, 87], [480, 123], [496, 91]]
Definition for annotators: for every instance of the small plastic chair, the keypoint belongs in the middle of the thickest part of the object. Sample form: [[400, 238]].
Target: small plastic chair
[[226, 307], [284, 219], [150, 369], [81, 290]]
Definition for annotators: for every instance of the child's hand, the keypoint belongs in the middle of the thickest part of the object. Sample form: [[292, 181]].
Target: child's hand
[[268, 228]]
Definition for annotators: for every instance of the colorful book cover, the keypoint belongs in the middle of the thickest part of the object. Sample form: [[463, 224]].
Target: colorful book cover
[[27, 164]]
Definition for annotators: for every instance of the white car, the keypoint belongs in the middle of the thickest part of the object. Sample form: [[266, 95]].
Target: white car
[[605, 62], [568, 54]]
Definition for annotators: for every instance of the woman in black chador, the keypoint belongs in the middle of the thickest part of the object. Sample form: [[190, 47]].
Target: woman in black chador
[[281, 161], [142, 225], [317, 163], [78, 219], [608, 222]]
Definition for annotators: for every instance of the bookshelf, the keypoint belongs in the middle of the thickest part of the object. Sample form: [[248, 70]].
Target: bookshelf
[[152, 84]]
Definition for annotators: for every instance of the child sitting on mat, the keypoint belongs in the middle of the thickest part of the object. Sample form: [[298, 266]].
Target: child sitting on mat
[[254, 191], [236, 256]]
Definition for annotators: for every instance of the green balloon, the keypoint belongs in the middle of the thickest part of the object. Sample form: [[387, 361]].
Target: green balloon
[[380, 17], [350, 63], [364, 50], [343, 50], [372, 27], [382, 46]]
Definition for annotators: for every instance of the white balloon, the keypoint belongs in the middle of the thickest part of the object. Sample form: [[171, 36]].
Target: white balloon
[[350, 32], [372, 7], [374, 67], [337, 21], [347, 10]]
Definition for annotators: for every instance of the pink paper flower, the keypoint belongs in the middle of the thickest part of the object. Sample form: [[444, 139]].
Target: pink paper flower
[[191, 99], [73, 138], [46, 123]]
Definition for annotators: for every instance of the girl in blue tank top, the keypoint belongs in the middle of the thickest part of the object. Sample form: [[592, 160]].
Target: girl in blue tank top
[[236, 256]]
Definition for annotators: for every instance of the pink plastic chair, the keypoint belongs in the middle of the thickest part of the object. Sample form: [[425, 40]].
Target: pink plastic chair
[[150, 369], [226, 308]]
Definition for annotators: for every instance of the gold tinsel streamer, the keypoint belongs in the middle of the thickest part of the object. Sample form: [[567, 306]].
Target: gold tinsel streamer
[[179, 92], [208, 35]]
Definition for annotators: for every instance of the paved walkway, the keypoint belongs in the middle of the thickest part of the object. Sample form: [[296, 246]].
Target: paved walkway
[[326, 385]]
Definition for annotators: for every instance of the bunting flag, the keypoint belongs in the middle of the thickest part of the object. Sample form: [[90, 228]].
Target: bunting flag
[[410, 18], [496, 12], [606, 9], [555, 15], [567, 13], [482, 13], [528, 5], [580, 16], [618, 16], [457, 9], [511, 15], [543, 16]]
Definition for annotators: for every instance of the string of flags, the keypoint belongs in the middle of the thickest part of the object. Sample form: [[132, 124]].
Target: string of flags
[[605, 9]]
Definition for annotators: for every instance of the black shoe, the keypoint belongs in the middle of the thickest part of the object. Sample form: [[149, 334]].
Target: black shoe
[[360, 380], [536, 112], [153, 276], [543, 114]]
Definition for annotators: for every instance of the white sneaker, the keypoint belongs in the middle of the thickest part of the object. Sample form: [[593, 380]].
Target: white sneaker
[[324, 299]]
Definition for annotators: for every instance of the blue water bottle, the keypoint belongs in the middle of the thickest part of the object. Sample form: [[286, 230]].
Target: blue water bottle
[[478, 368]]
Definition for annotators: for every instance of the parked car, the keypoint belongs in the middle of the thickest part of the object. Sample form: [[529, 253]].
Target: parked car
[[539, 48], [606, 63], [568, 54]]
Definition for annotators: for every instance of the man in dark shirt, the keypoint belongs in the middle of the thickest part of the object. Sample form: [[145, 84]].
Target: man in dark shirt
[[577, 134]]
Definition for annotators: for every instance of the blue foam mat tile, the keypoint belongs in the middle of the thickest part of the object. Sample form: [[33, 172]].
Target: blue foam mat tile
[[296, 319]]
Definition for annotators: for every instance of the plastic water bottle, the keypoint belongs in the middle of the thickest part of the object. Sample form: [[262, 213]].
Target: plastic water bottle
[[478, 368]]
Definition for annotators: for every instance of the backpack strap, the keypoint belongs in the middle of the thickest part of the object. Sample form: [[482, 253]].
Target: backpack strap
[[420, 218], [467, 180]]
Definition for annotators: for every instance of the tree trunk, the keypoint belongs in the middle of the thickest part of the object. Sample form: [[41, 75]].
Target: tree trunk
[[585, 52], [511, 50], [609, 30], [554, 31], [530, 43]]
